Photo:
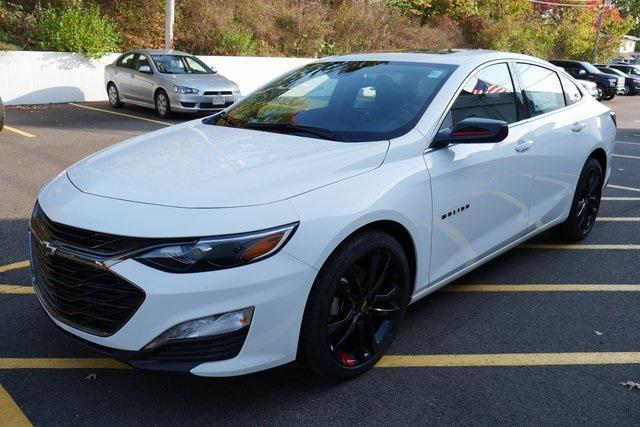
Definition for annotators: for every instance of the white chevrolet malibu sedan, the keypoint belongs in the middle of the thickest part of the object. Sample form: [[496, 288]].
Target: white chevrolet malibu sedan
[[301, 221]]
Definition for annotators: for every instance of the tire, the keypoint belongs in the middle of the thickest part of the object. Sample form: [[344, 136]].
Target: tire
[[601, 92], [163, 105], [114, 96], [1, 114], [609, 97], [585, 204], [344, 334], [627, 90]]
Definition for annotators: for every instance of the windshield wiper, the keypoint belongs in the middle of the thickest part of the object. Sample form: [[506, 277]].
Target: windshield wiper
[[289, 128]]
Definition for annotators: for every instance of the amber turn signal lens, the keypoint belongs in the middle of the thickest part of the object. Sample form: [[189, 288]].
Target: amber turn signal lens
[[262, 247]]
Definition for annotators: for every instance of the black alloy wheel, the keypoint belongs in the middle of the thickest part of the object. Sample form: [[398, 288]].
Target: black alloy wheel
[[590, 192], [356, 306], [586, 203]]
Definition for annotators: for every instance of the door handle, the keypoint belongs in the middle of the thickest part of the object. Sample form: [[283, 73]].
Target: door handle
[[578, 126], [523, 146]]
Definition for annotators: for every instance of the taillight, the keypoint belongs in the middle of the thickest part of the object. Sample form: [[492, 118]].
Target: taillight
[[614, 118]]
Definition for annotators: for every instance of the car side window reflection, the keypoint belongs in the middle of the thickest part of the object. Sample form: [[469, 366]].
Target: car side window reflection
[[572, 93], [127, 61], [489, 94], [541, 89]]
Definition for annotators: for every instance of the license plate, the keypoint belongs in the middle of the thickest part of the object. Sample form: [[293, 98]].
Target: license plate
[[217, 100]]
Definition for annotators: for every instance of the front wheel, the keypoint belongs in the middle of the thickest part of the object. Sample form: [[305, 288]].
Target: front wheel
[[600, 92], [355, 306], [627, 90], [163, 106], [585, 205]]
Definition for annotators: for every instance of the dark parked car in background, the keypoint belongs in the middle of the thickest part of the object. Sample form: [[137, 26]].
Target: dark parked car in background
[[631, 82], [608, 84], [633, 70]]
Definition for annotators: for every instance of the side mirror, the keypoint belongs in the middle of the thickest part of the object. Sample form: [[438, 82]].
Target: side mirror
[[582, 72], [473, 130], [144, 69]]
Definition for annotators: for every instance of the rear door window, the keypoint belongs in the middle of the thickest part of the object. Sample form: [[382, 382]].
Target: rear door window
[[489, 94], [541, 89]]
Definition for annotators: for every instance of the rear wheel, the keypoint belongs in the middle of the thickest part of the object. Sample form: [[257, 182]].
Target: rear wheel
[[163, 106], [586, 203], [114, 96], [355, 306]]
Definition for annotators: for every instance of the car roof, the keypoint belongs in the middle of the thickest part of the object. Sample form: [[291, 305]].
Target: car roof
[[451, 56], [160, 51]]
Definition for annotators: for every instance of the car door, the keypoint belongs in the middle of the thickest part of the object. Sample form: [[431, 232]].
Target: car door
[[480, 191], [557, 130], [142, 82], [125, 67]]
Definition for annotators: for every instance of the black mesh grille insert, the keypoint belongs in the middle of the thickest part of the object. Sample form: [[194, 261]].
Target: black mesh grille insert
[[80, 294]]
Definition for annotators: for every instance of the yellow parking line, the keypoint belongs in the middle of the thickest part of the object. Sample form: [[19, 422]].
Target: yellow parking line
[[19, 132], [16, 289], [621, 199], [121, 114], [619, 218], [621, 187], [624, 156], [10, 412], [61, 363], [14, 266], [542, 288], [578, 247], [516, 359], [391, 361]]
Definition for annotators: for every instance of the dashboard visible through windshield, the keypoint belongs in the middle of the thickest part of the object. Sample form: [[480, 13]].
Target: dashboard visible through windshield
[[342, 101]]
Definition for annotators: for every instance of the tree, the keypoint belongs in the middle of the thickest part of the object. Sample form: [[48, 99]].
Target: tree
[[630, 9]]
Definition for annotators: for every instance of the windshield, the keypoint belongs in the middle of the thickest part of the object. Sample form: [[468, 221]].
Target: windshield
[[611, 71], [590, 68], [341, 101], [180, 64]]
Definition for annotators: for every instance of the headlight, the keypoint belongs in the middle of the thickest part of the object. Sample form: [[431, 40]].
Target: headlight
[[186, 90], [217, 253], [613, 82]]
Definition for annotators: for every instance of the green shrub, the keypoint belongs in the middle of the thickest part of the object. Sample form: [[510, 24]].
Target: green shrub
[[74, 27]]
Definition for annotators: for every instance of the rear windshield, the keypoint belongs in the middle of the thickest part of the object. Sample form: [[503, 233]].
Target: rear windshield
[[180, 64], [342, 101]]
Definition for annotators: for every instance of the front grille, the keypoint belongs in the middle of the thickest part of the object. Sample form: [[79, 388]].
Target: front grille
[[78, 293], [218, 92], [209, 105], [100, 244]]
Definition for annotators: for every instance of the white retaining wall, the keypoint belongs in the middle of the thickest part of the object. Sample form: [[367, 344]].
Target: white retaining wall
[[47, 77]]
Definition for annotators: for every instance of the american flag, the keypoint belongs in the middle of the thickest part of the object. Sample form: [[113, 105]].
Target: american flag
[[483, 87]]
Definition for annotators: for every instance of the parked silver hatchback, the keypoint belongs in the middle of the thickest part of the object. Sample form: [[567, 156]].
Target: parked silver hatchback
[[168, 81]]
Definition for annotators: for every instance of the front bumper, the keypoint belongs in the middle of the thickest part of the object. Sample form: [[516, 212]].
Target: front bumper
[[277, 288], [185, 103]]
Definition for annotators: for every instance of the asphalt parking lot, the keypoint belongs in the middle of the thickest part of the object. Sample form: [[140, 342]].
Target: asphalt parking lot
[[545, 334]]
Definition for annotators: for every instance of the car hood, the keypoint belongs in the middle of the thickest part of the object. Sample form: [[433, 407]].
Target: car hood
[[200, 80], [195, 165]]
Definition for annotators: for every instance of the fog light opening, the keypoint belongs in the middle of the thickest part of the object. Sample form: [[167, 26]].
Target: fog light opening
[[205, 327]]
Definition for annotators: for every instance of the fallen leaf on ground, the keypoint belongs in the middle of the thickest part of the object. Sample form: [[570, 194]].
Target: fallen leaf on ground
[[631, 385], [90, 377]]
